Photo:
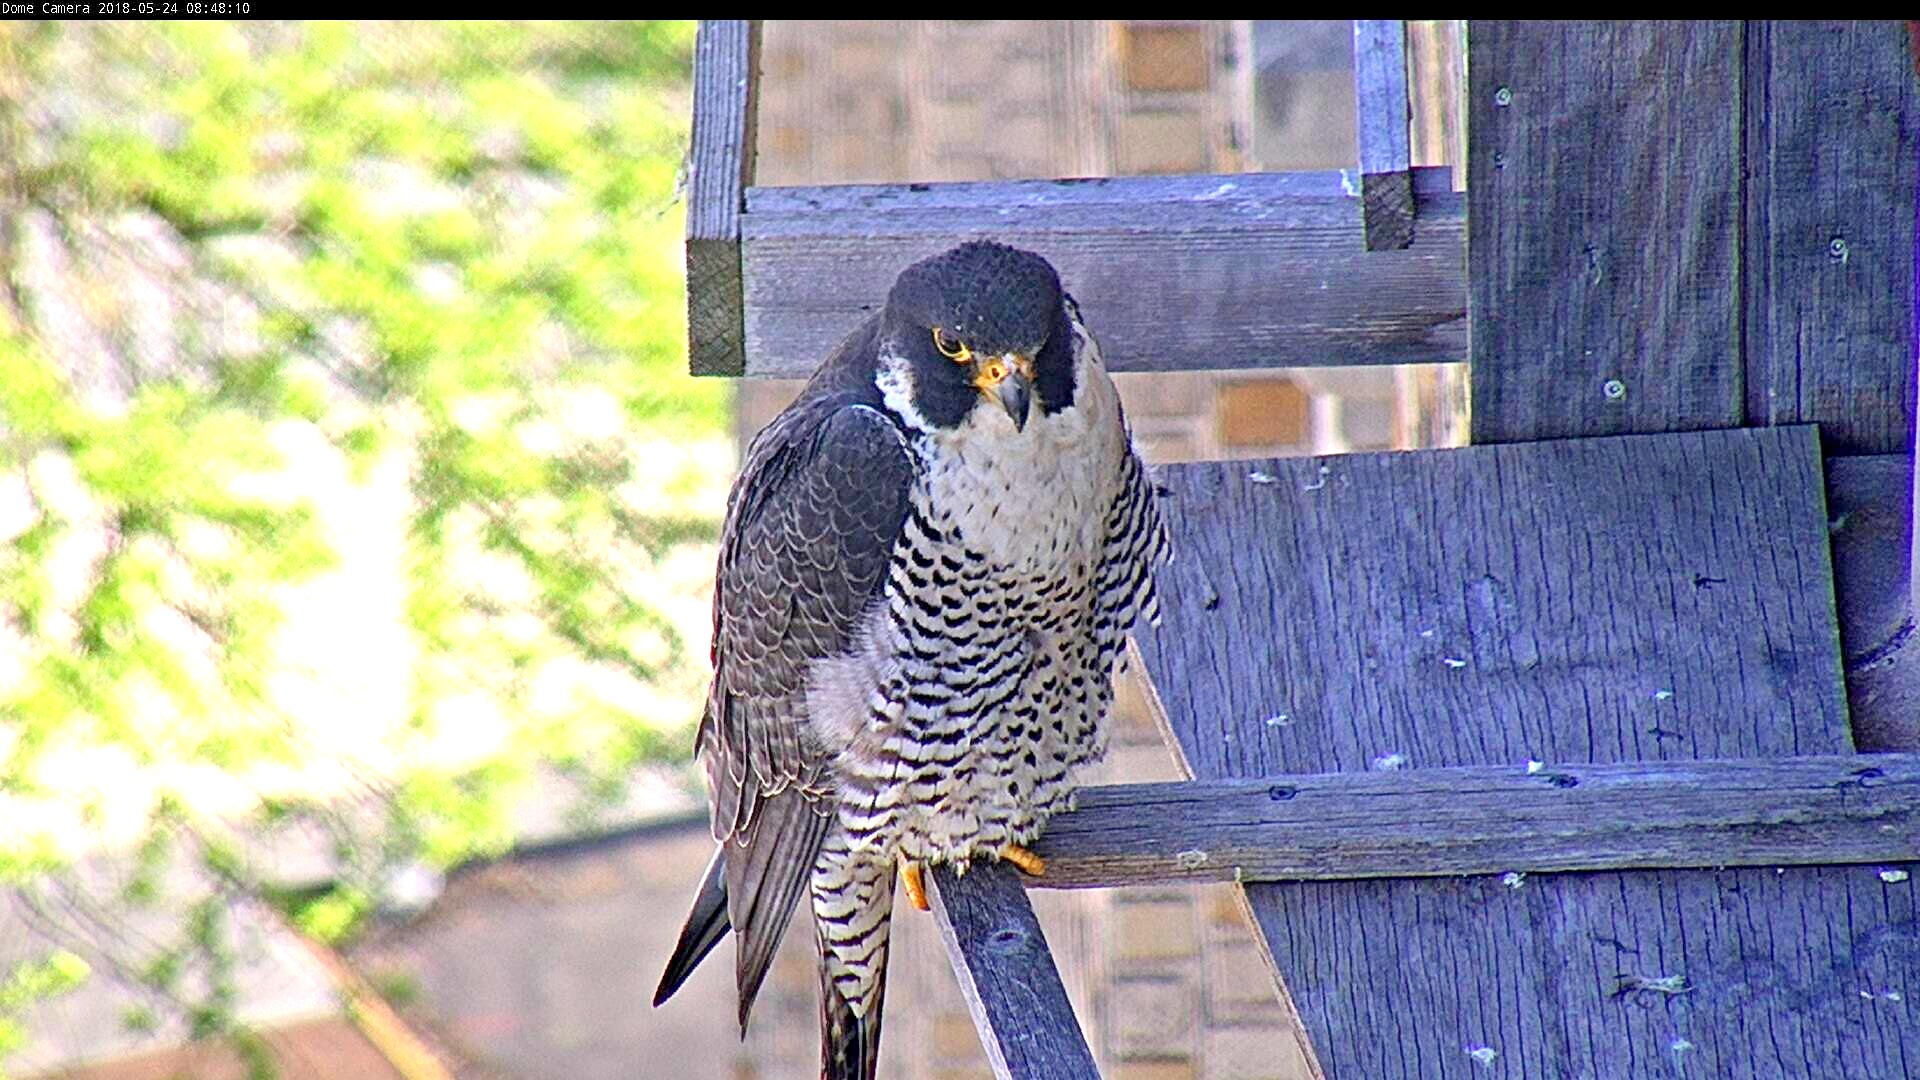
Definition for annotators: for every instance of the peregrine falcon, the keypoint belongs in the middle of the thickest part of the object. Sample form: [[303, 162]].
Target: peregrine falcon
[[929, 567]]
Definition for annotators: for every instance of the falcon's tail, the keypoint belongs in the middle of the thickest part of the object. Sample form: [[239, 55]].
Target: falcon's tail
[[853, 923], [850, 1043], [706, 925]]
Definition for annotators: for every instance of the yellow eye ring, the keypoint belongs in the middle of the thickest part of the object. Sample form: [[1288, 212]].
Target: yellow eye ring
[[950, 347]]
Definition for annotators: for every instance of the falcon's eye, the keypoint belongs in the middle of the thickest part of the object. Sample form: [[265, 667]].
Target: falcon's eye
[[950, 347]]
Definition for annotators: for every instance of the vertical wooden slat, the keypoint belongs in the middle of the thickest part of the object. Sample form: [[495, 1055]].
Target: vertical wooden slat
[[1604, 225], [719, 168], [1833, 151], [1833, 145], [1380, 92], [1008, 976], [1436, 89], [1433, 397]]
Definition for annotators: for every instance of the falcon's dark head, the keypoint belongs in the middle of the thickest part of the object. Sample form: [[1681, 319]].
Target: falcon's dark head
[[981, 323]]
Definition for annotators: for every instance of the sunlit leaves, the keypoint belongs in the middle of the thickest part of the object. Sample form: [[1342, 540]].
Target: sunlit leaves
[[57, 973], [447, 253]]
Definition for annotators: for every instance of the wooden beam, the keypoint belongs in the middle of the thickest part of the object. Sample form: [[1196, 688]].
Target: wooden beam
[[1829, 810], [726, 57], [1008, 976], [1172, 272], [1386, 157], [1436, 93]]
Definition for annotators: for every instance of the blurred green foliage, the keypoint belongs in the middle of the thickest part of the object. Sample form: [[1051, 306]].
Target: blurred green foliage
[[439, 244]]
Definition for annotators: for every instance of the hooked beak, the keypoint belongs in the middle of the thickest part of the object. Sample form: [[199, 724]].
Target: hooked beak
[[1009, 379], [1016, 395]]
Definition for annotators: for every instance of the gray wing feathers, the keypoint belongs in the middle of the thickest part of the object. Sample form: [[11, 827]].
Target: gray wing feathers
[[770, 873], [809, 533], [1136, 542]]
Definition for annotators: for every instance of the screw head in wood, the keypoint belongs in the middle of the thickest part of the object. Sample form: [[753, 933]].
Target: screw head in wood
[[1503, 97], [1614, 389]]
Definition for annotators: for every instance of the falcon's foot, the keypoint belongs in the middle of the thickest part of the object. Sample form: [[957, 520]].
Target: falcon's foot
[[1030, 864], [915, 876]]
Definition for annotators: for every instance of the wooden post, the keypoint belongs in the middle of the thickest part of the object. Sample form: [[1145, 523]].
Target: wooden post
[[726, 57], [1380, 103], [1833, 149]]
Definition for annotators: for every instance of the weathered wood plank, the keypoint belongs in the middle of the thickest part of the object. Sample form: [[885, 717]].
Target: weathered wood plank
[[726, 56], [1491, 819], [1606, 600], [1605, 194], [1639, 598], [1386, 155], [1176, 272], [1008, 976], [1833, 135], [1735, 973]]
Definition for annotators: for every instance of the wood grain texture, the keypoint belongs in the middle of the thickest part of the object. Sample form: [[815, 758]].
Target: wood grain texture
[[1655, 598], [1381, 112], [1604, 185], [719, 167], [1007, 975], [1639, 598], [1173, 272], [1491, 819], [1387, 209], [1870, 519], [1833, 115]]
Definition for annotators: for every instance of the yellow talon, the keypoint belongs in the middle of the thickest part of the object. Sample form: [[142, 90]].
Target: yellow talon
[[1030, 864], [914, 874]]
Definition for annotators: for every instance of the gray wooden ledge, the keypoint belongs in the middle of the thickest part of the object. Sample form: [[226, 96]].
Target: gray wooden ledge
[[1174, 273], [1829, 810]]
